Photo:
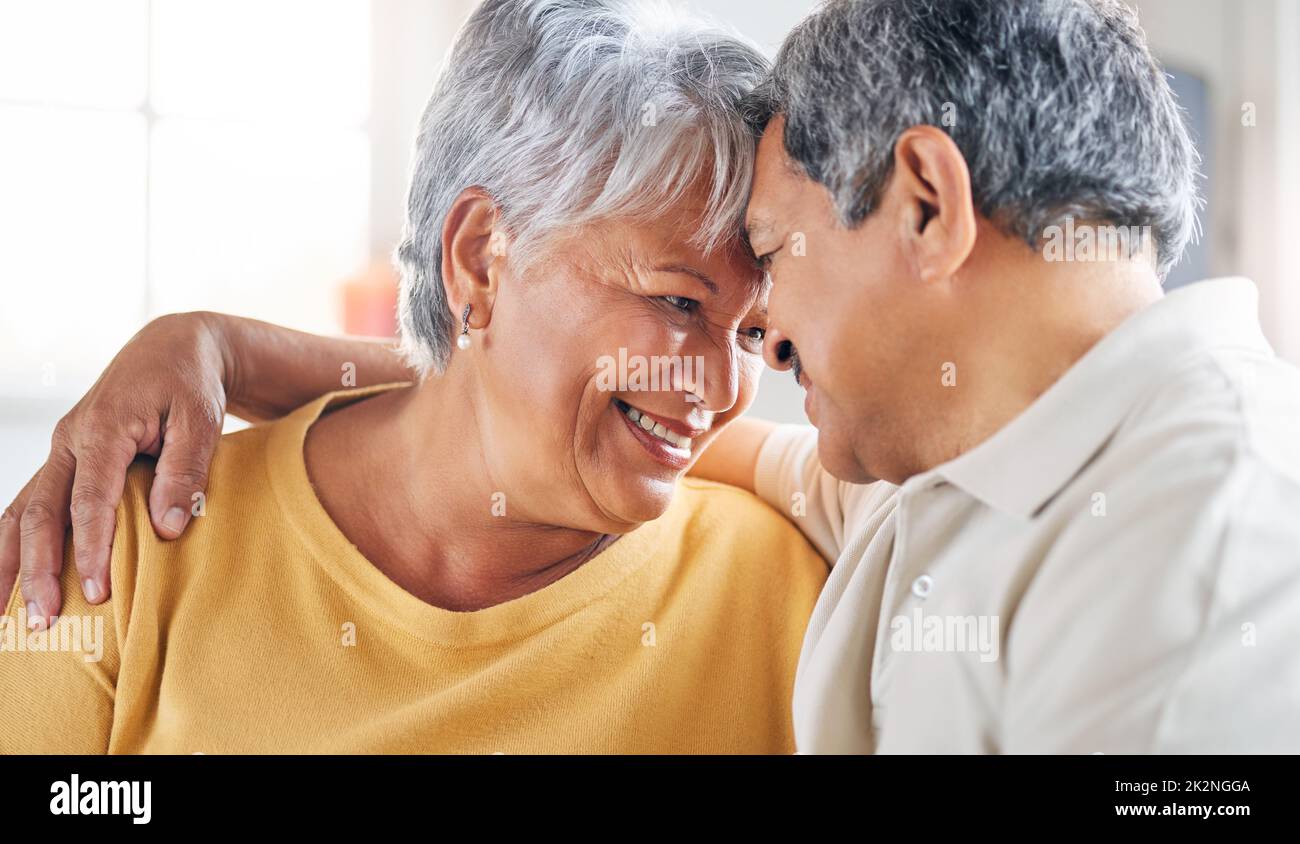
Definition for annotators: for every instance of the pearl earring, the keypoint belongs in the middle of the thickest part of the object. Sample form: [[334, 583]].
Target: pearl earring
[[462, 342]]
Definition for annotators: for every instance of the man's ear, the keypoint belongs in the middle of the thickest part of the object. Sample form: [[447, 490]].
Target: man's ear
[[473, 242], [930, 186]]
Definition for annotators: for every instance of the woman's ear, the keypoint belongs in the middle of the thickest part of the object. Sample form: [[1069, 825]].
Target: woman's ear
[[931, 188], [473, 240]]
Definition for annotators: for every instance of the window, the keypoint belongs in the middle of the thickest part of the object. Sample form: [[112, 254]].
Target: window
[[164, 155]]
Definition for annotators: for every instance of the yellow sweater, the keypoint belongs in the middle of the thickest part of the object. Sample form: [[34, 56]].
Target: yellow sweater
[[264, 630]]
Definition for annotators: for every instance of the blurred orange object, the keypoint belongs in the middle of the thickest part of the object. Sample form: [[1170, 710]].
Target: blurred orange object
[[370, 302]]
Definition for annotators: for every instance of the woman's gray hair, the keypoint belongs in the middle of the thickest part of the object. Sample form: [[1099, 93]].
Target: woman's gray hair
[[1057, 105], [566, 112]]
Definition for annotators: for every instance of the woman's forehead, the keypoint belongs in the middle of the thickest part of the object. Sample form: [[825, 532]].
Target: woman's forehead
[[728, 272], [668, 245]]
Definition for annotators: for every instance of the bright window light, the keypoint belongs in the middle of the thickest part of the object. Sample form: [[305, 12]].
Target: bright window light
[[257, 59], [74, 52], [256, 220], [164, 155], [72, 244]]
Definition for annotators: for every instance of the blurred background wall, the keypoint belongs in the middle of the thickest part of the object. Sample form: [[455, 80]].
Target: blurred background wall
[[250, 156]]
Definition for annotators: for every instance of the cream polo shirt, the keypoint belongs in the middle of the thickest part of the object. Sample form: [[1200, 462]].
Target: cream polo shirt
[[1117, 570]]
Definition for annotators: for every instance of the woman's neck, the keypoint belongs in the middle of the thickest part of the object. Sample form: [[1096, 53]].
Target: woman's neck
[[403, 476]]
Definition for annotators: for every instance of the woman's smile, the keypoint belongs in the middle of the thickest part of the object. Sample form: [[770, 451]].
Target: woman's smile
[[667, 440]]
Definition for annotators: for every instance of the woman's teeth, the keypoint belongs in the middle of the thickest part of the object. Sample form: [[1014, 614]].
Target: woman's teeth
[[656, 428]]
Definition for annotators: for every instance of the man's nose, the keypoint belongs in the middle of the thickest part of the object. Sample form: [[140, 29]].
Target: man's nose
[[777, 349]]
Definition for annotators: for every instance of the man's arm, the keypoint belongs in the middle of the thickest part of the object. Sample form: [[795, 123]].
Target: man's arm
[[165, 394], [275, 370], [733, 455], [779, 464]]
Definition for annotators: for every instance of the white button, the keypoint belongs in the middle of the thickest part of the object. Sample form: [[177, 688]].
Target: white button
[[922, 585]]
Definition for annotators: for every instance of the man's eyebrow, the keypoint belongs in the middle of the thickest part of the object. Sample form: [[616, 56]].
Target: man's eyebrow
[[691, 271]]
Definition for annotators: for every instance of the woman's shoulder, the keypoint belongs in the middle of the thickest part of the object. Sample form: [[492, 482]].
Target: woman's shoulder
[[720, 514], [235, 487], [730, 538], [235, 455], [712, 496], [236, 473]]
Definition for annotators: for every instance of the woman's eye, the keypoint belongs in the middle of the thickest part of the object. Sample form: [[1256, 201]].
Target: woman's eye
[[752, 338], [681, 303]]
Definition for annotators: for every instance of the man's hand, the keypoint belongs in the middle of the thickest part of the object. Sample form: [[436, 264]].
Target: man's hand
[[163, 395]]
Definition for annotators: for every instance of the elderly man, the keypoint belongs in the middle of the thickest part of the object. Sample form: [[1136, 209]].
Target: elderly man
[[1062, 503], [1084, 538]]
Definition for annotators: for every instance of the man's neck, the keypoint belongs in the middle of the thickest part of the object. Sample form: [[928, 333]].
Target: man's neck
[[1037, 320]]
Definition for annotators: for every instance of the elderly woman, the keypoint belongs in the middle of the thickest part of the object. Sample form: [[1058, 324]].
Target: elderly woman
[[502, 557]]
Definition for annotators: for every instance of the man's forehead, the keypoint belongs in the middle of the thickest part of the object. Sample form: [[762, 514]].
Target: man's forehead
[[761, 211], [757, 225], [758, 221], [771, 165], [772, 158]]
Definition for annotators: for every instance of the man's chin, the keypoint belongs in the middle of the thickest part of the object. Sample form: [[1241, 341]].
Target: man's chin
[[838, 457]]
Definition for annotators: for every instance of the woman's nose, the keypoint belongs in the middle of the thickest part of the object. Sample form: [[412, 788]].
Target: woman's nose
[[714, 382], [777, 349]]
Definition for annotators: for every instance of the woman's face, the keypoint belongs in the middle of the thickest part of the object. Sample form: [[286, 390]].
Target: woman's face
[[617, 322]]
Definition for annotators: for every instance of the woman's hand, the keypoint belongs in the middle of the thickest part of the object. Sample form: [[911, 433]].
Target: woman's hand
[[164, 395]]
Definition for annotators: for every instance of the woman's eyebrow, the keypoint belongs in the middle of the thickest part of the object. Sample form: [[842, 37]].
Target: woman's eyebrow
[[691, 271]]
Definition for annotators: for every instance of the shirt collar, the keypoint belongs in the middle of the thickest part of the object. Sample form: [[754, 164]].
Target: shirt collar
[[1022, 466]]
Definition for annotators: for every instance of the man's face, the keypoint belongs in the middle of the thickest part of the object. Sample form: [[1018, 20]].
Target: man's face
[[870, 339]]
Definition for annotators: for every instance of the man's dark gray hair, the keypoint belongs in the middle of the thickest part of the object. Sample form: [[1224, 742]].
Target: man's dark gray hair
[[1057, 105]]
